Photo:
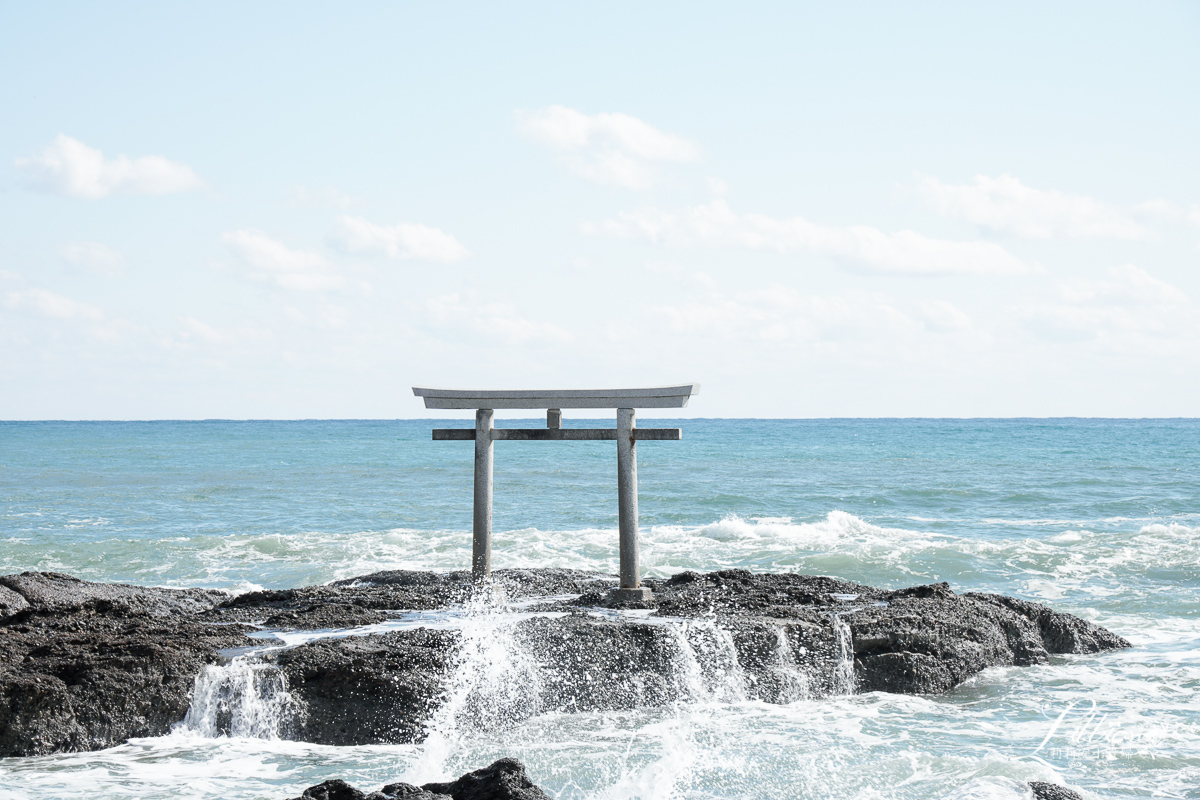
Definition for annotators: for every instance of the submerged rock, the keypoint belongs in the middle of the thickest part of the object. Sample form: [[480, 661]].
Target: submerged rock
[[84, 666], [503, 780]]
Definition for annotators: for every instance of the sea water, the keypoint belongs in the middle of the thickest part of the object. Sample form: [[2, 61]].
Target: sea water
[[1100, 518]]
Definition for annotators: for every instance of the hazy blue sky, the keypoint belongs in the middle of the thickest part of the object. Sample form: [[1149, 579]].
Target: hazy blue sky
[[283, 210]]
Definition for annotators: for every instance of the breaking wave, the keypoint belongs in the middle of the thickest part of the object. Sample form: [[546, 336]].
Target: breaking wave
[[1087, 570]]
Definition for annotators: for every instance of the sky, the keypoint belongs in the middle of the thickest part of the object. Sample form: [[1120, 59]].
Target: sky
[[300, 210]]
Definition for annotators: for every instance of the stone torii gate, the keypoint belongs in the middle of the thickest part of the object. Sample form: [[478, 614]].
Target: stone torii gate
[[626, 434]]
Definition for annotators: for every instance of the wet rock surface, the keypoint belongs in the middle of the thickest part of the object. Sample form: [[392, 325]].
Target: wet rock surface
[[1052, 791], [84, 666], [502, 780], [918, 640], [366, 599], [366, 689]]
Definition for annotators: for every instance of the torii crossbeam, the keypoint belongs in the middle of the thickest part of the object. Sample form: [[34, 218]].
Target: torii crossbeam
[[626, 434]]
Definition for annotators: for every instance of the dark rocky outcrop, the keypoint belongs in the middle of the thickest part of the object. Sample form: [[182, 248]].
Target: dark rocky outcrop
[[739, 592], [363, 600], [919, 640], [85, 666], [1052, 791], [45, 593], [503, 780], [367, 689], [724, 634], [340, 790]]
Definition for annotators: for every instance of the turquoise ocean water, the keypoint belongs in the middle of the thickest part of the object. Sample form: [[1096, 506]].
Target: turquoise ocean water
[[1097, 517]]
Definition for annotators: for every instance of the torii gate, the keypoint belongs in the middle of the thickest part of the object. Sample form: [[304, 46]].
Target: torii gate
[[626, 434]]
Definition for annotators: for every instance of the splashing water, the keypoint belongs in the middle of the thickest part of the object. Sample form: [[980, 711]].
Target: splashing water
[[493, 683], [245, 698], [707, 668], [843, 670], [791, 682]]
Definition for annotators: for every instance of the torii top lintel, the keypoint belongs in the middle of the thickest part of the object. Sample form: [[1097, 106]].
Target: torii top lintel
[[650, 397]]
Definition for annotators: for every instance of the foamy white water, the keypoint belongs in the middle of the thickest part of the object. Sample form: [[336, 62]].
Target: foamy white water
[[245, 698]]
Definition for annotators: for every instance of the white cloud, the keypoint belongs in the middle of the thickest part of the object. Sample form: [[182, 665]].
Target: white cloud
[[327, 318], [1127, 285], [275, 261], [70, 167], [324, 197], [1006, 205], [664, 267], [943, 316], [1123, 311], [192, 327], [716, 186], [499, 322], [93, 256], [765, 328], [611, 149], [783, 314], [1166, 210], [50, 304], [72, 314], [193, 334], [403, 241], [904, 252]]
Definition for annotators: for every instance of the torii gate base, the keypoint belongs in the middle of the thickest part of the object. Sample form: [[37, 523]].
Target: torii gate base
[[626, 435]]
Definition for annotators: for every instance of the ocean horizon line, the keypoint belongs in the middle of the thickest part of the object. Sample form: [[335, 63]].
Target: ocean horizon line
[[693, 419]]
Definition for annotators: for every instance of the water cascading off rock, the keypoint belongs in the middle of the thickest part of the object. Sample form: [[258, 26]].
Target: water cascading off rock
[[717, 637], [502, 671], [244, 698]]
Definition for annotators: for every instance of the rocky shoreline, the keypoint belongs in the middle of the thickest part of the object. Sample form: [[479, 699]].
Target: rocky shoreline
[[84, 666], [502, 780], [506, 780]]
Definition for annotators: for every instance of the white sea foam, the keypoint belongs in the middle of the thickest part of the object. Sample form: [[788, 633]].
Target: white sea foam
[[1075, 562], [873, 746], [990, 789]]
